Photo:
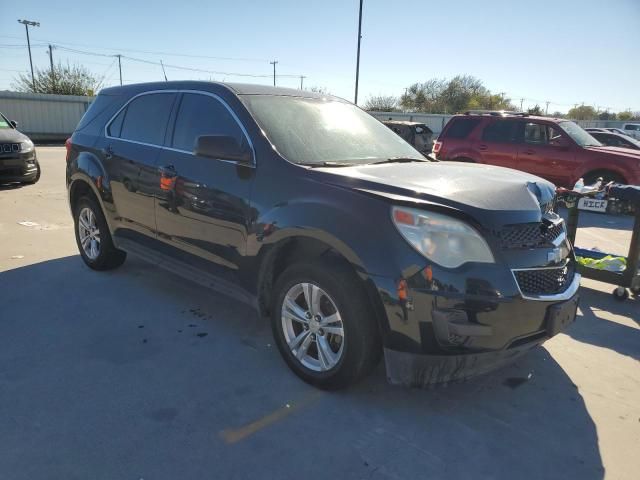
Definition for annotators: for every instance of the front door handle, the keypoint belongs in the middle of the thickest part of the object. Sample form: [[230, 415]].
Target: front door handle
[[483, 147], [529, 152]]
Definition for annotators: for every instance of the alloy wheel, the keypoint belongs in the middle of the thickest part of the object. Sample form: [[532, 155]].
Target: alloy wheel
[[312, 327], [89, 233]]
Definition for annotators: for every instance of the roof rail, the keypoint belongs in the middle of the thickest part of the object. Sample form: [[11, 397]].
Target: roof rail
[[501, 113]]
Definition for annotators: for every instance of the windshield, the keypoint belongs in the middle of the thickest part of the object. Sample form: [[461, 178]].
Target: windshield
[[579, 135], [317, 131]]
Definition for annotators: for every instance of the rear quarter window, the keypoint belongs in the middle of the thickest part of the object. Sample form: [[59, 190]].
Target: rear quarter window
[[461, 127]]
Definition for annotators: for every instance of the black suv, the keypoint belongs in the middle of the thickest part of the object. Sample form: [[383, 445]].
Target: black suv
[[18, 161], [326, 221]]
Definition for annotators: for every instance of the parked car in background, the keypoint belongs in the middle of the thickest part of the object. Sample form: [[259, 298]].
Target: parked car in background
[[18, 160], [320, 217], [593, 129], [616, 130], [615, 140], [556, 149], [632, 129], [416, 134]]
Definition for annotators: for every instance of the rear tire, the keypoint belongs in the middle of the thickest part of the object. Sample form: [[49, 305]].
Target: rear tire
[[93, 236], [326, 359]]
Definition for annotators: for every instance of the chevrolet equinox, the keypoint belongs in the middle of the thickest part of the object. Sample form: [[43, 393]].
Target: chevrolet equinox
[[326, 221]]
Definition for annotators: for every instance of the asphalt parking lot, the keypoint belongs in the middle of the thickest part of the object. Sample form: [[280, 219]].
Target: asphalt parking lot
[[138, 374]]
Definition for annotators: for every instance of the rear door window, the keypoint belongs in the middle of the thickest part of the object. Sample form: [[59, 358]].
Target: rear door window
[[461, 127], [500, 131], [144, 119], [203, 115]]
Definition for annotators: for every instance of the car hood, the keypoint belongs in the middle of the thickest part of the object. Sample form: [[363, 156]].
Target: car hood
[[616, 151], [492, 195], [11, 135]]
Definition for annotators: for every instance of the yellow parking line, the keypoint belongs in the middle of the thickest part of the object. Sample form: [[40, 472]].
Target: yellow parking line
[[235, 435]]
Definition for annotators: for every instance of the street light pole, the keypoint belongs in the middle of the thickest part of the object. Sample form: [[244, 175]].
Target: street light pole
[[27, 24], [53, 74], [120, 67], [274, 71], [358, 57]]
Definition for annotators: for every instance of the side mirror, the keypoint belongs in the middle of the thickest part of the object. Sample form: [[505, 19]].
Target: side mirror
[[14, 124], [222, 147]]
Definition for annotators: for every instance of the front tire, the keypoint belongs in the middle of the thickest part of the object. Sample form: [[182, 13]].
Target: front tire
[[323, 325], [93, 237]]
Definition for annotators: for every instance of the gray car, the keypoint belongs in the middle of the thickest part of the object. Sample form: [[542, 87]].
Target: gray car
[[18, 160]]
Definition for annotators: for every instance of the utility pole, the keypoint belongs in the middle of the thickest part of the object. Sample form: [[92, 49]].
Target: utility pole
[[120, 67], [358, 56], [546, 110], [302, 77], [274, 71], [27, 24], [521, 102], [53, 73]]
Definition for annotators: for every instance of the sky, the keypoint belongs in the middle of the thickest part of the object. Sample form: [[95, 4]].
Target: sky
[[564, 52]]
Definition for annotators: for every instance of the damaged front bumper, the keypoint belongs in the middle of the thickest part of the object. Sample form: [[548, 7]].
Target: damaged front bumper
[[445, 338]]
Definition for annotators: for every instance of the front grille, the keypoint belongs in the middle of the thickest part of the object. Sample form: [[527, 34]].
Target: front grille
[[545, 281], [530, 235], [9, 147]]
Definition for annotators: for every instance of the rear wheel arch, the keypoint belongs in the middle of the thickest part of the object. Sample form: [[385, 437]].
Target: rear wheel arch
[[607, 174]]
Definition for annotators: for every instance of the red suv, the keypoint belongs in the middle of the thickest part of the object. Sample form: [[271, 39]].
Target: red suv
[[556, 149]]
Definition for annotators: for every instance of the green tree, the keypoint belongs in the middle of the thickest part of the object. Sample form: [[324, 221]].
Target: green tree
[[461, 93], [583, 112], [606, 116], [382, 103], [65, 80], [558, 114], [625, 116], [535, 110]]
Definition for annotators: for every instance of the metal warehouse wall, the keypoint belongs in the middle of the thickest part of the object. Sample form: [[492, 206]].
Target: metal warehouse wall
[[44, 117]]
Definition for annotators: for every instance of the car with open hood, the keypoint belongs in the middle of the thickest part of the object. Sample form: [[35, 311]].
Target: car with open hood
[[18, 160], [332, 226]]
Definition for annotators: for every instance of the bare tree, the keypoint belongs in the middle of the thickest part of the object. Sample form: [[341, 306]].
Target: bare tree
[[381, 103]]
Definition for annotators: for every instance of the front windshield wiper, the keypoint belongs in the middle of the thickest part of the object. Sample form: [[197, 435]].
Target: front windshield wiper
[[327, 164], [399, 160]]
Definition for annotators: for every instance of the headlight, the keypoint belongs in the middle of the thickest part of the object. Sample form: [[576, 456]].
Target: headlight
[[445, 240], [26, 146]]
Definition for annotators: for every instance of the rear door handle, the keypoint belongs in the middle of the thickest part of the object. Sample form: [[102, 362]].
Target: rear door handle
[[529, 152], [483, 147]]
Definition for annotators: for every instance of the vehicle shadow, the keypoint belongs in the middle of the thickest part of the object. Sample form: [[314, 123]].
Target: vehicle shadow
[[135, 370], [608, 333], [10, 186]]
